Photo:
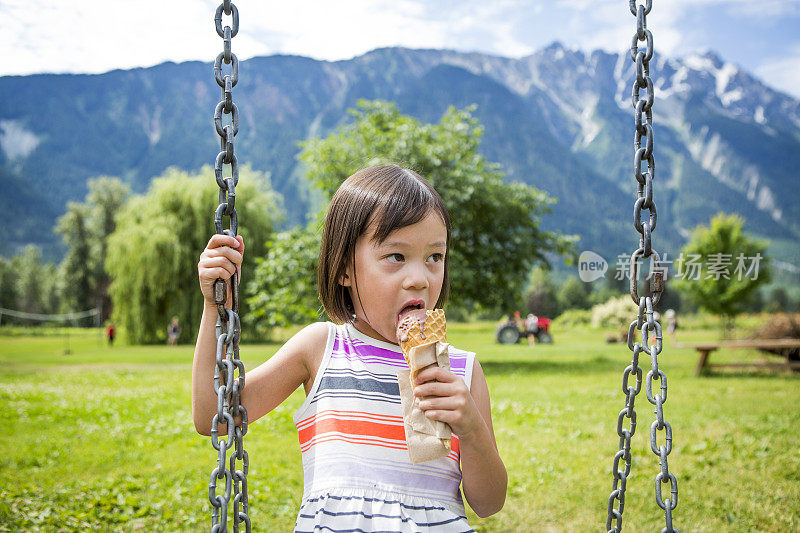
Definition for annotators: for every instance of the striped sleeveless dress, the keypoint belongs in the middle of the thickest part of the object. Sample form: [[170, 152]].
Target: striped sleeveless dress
[[357, 474]]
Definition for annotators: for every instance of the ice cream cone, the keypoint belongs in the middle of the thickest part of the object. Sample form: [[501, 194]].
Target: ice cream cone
[[422, 335], [416, 329]]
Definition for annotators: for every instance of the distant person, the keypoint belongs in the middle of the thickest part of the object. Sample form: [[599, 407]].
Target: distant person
[[531, 328], [174, 331], [672, 324], [110, 331], [518, 320]]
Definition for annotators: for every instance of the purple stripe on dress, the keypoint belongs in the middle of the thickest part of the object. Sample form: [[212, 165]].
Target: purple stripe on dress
[[458, 362], [423, 468], [350, 395], [355, 350], [371, 360], [369, 349], [362, 349], [427, 483]]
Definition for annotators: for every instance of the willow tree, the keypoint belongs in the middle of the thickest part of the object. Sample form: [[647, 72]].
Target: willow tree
[[153, 253]]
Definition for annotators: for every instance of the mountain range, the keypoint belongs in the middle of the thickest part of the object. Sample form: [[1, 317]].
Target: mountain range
[[559, 119]]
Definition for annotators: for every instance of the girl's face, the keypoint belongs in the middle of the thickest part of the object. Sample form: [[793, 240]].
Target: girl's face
[[406, 268]]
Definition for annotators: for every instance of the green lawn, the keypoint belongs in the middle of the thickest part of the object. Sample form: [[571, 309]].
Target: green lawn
[[102, 438]]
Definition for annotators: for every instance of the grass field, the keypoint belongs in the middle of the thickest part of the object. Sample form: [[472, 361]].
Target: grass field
[[102, 438]]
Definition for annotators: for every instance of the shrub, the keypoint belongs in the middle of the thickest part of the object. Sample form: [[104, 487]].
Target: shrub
[[574, 294], [615, 313], [574, 317]]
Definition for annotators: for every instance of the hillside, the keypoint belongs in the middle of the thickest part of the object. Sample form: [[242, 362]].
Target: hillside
[[559, 119]]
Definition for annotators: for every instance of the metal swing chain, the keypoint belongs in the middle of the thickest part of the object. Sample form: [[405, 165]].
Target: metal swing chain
[[228, 328], [645, 320]]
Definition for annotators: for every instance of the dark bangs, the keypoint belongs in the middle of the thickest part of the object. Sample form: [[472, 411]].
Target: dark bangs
[[407, 200]]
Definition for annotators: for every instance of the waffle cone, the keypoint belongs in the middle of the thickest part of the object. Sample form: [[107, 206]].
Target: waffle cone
[[435, 329], [423, 340]]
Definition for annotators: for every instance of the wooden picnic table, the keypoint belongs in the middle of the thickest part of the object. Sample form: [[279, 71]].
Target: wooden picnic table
[[705, 348]]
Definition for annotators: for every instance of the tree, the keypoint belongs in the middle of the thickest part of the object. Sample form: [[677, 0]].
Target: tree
[[284, 287], [8, 283], [721, 266], [153, 253], [28, 285], [34, 282], [575, 294], [76, 274], [85, 229], [106, 197], [51, 294], [778, 300], [496, 234], [542, 296]]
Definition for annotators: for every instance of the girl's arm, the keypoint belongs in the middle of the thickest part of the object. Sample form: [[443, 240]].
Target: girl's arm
[[468, 413], [485, 479], [267, 385]]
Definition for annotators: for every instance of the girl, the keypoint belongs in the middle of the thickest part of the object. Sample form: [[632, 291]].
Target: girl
[[384, 247]]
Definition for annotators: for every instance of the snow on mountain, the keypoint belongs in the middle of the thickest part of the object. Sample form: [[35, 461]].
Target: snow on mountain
[[712, 114]]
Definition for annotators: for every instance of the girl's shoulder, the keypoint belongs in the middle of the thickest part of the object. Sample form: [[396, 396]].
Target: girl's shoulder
[[314, 332], [311, 339], [309, 345]]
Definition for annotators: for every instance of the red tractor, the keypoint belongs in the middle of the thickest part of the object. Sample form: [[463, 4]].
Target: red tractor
[[510, 332]]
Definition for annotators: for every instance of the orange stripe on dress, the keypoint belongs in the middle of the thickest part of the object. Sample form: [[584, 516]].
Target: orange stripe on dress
[[357, 428], [360, 414], [396, 445], [454, 454]]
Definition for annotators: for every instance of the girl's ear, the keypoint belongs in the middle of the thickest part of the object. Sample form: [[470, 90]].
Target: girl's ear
[[344, 279]]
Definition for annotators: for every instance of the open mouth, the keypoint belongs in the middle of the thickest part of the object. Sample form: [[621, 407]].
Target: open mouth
[[409, 309]]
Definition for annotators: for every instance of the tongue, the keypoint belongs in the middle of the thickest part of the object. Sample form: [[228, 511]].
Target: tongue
[[413, 311], [408, 317]]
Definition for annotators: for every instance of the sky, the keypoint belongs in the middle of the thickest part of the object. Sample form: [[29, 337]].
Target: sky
[[92, 36]]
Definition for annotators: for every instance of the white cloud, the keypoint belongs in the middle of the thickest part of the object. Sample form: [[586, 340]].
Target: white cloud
[[99, 35], [351, 27], [783, 73], [336, 30], [15, 140], [609, 24], [763, 8]]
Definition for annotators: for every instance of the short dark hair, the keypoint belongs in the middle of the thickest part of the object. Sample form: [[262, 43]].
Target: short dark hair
[[392, 196]]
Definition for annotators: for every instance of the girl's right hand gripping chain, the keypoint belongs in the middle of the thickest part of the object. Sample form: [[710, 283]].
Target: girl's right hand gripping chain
[[221, 258]]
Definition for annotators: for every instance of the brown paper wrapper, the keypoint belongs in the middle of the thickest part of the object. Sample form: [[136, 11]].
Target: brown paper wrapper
[[426, 439]]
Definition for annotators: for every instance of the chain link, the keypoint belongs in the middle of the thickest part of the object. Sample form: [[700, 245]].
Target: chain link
[[227, 386], [645, 321]]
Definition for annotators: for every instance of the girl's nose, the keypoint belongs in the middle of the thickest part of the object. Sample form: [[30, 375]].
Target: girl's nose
[[416, 277]]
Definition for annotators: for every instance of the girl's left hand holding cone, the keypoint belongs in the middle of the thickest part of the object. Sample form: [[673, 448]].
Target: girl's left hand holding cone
[[448, 400]]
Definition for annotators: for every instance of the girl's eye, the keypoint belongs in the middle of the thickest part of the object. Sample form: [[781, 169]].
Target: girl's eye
[[395, 258], [437, 257]]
